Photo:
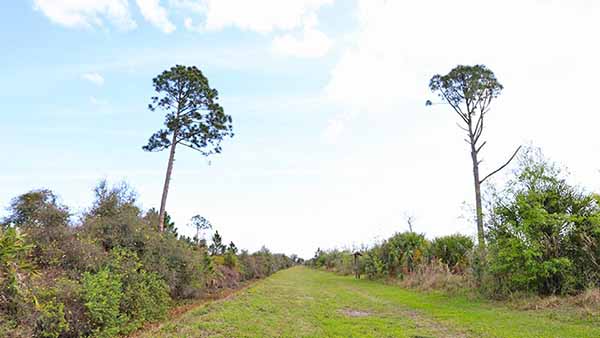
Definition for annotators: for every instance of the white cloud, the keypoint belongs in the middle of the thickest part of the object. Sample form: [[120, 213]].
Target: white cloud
[[87, 13], [94, 78], [333, 131], [157, 15], [295, 21], [262, 16], [188, 23], [400, 45], [312, 44]]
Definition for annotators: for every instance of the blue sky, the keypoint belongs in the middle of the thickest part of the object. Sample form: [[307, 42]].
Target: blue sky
[[333, 142]]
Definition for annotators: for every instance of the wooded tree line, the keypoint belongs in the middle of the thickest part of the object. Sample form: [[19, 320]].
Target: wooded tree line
[[110, 271]]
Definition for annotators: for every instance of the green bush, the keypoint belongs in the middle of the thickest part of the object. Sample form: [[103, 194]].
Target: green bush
[[145, 297], [404, 251], [452, 250], [40, 216], [70, 293], [374, 266], [51, 321], [15, 265], [102, 295], [230, 260], [544, 234]]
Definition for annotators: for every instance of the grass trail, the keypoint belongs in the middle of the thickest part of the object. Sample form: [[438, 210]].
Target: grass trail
[[301, 302]]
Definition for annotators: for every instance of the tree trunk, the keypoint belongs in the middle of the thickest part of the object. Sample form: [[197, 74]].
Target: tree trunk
[[477, 182], [163, 201]]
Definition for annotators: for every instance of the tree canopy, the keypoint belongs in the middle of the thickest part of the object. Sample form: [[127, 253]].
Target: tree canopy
[[193, 116]]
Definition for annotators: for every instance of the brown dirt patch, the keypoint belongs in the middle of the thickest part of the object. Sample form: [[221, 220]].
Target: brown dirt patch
[[354, 313]]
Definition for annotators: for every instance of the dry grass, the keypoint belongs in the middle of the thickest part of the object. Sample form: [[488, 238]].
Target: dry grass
[[585, 304], [437, 276]]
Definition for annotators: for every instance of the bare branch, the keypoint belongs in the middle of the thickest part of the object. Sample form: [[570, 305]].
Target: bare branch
[[478, 128], [481, 146], [191, 147], [461, 127], [502, 167], [456, 108]]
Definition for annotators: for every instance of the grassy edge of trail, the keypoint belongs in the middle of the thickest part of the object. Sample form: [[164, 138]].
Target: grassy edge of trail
[[181, 309], [302, 302]]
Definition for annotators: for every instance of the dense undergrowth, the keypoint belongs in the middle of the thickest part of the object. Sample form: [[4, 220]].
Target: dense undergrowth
[[110, 271], [542, 239]]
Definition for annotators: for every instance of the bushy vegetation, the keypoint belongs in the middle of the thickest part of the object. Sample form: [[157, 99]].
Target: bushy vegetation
[[404, 254], [109, 272], [544, 234], [543, 238]]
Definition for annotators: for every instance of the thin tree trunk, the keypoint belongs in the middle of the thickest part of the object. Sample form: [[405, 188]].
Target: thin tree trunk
[[477, 182], [163, 201], [478, 206]]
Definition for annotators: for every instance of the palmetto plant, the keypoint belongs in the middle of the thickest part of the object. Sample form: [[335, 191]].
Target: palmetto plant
[[14, 265]]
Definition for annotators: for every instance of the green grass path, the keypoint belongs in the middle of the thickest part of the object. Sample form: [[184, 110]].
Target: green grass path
[[301, 302]]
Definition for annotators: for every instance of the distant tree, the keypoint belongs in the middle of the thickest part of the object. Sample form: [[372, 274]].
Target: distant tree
[[230, 259], [232, 248], [193, 118], [188, 240], [200, 223], [169, 225], [37, 209], [469, 90], [40, 216], [217, 247], [152, 216], [410, 220]]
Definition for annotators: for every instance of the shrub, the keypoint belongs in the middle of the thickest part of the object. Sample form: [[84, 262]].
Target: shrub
[[247, 264], [114, 220], [82, 254], [230, 260], [374, 267], [51, 320], [70, 293], [452, 250], [39, 215], [14, 267], [102, 295], [145, 297], [436, 276], [404, 251], [544, 233], [176, 263]]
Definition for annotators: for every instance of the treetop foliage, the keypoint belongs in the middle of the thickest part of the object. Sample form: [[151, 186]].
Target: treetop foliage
[[201, 223], [37, 208], [475, 86], [193, 118]]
